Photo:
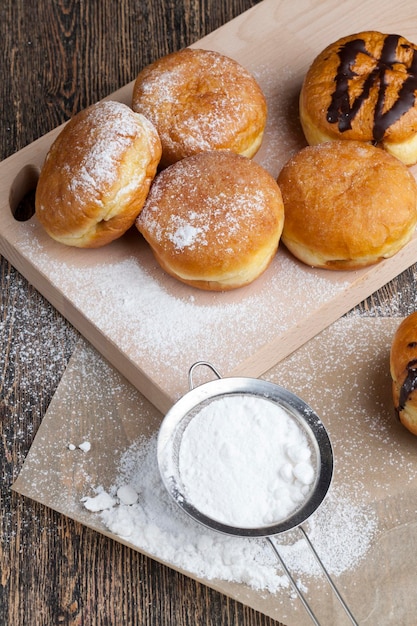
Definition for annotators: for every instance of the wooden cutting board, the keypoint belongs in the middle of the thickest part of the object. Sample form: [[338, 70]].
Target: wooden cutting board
[[149, 326]]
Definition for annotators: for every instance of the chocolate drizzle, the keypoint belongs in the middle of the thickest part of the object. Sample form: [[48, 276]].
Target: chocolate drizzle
[[342, 112], [409, 385]]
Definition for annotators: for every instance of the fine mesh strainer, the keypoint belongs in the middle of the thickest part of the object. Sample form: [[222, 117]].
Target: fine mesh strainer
[[169, 442]]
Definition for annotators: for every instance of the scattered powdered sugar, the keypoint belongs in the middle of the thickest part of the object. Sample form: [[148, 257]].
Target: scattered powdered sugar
[[100, 502], [283, 136], [152, 322], [341, 530], [37, 343], [85, 446], [127, 495], [233, 482]]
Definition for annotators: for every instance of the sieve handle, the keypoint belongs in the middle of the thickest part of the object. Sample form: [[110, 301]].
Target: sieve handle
[[191, 384], [324, 571]]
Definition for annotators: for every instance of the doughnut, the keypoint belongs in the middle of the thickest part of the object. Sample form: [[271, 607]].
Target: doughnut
[[199, 101], [362, 87], [213, 220], [96, 175], [403, 368], [348, 204]]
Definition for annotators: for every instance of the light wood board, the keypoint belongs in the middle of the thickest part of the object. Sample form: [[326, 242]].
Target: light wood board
[[149, 326]]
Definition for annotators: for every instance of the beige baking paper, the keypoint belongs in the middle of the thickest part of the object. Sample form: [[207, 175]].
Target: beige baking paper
[[343, 373]]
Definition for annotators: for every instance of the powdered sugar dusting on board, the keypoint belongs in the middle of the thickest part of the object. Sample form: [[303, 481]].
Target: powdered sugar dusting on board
[[283, 135], [149, 322]]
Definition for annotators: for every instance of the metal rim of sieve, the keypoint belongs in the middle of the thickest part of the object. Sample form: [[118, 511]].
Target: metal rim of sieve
[[183, 411]]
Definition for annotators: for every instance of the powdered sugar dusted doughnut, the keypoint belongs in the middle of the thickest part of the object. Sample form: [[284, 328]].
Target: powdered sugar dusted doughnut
[[96, 175], [200, 100], [213, 220], [347, 205]]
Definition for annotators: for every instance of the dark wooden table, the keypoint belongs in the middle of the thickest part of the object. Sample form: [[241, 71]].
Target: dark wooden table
[[59, 56]]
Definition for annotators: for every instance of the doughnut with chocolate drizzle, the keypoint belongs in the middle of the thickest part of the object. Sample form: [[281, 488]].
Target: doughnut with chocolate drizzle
[[363, 87], [403, 368]]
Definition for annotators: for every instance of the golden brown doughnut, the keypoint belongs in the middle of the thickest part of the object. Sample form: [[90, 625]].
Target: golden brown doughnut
[[96, 175], [201, 100], [403, 367], [213, 220], [347, 205], [362, 87]]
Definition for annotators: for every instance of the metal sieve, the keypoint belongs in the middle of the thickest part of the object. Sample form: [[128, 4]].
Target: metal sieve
[[186, 408]]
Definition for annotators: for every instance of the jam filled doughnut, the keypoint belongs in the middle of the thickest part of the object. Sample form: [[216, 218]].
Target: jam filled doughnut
[[213, 220], [347, 205], [200, 100], [96, 175], [403, 367], [363, 87]]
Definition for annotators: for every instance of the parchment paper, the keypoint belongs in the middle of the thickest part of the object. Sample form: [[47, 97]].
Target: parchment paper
[[343, 373]]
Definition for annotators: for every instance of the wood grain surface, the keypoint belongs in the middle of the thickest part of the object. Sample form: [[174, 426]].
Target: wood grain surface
[[59, 56]]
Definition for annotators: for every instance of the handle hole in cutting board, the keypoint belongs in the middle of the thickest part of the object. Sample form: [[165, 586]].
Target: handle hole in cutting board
[[22, 193]]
